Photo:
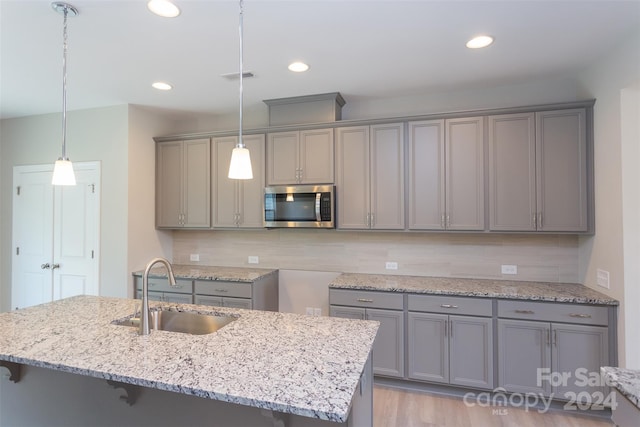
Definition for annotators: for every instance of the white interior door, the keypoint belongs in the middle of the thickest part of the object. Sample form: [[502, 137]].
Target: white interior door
[[75, 235], [55, 235], [32, 236]]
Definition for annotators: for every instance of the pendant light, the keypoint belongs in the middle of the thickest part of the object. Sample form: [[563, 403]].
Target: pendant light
[[240, 166], [63, 169]]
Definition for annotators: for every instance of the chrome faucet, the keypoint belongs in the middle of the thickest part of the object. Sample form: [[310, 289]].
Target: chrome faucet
[[144, 313]]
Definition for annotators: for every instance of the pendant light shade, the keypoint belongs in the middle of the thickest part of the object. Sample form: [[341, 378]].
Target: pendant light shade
[[63, 169], [240, 165]]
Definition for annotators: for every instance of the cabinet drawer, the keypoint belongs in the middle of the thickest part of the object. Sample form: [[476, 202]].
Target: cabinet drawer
[[223, 289], [450, 305], [161, 284], [388, 300], [553, 312]]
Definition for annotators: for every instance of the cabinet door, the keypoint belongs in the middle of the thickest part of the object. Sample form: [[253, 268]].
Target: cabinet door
[[464, 171], [316, 156], [197, 179], [578, 351], [347, 312], [428, 347], [471, 351], [208, 300], [562, 170], [225, 204], [237, 302], [387, 177], [388, 348], [523, 349], [352, 177], [282, 158], [512, 172], [426, 175], [169, 181], [177, 298], [251, 191]]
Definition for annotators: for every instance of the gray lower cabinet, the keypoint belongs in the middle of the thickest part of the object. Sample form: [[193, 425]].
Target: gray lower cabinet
[[450, 349], [160, 290], [388, 348], [261, 294], [546, 356]]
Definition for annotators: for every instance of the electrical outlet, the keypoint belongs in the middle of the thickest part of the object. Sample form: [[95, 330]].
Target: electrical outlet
[[317, 311], [194, 257], [509, 269], [602, 278], [391, 265], [253, 260], [309, 311]]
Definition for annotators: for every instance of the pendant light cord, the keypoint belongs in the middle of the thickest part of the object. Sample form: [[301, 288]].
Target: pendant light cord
[[240, 140], [64, 85]]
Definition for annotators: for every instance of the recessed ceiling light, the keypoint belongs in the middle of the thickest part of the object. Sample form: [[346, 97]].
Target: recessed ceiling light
[[163, 8], [162, 86], [298, 67], [479, 42]]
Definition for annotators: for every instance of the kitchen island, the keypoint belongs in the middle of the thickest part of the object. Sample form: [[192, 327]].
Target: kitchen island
[[265, 368]]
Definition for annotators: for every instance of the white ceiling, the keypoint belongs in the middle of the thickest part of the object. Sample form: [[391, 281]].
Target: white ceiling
[[362, 49]]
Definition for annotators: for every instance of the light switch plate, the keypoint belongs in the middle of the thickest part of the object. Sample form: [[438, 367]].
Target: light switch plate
[[390, 265], [253, 260], [509, 269], [194, 257], [602, 278]]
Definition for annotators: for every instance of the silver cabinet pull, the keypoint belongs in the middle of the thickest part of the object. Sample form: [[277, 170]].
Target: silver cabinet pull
[[555, 338], [451, 328], [525, 311], [580, 316], [364, 300], [221, 290], [45, 266], [442, 224], [446, 328], [534, 221], [540, 221], [448, 306], [548, 337]]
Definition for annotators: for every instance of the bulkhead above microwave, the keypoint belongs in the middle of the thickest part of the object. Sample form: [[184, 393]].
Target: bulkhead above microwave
[[299, 206]]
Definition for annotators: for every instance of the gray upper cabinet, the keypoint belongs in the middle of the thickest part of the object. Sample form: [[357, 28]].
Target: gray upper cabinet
[[183, 174], [446, 174], [370, 177], [300, 157], [237, 203], [538, 171]]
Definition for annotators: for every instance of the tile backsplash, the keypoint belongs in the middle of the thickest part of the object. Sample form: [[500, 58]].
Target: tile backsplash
[[547, 258]]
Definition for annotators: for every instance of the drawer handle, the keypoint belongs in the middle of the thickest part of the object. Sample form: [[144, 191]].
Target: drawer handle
[[581, 316], [448, 306], [221, 290], [364, 300], [525, 311]]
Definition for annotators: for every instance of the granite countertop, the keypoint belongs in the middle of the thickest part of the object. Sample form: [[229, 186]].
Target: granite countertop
[[206, 272], [626, 381], [289, 363], [508, 289]]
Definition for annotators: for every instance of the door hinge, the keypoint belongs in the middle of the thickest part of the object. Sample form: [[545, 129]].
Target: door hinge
[[17, 250], [18, 190]]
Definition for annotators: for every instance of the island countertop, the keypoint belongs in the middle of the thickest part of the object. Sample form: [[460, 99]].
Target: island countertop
[[289, 363], [508, 289], [210, 272], [626, 381]]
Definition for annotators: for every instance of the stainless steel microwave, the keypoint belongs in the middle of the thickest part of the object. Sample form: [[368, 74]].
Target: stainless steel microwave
[[306, 206]]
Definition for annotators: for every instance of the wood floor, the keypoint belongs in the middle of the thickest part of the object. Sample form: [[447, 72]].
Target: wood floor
[[395, 408]]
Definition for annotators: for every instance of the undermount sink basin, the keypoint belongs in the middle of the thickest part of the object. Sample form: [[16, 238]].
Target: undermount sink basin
[[181, 321]]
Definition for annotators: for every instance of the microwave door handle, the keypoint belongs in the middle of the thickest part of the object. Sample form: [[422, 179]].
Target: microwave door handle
[[318, 217]]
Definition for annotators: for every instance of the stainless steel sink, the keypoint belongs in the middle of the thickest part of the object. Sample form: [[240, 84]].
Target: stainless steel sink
[[181, 321]]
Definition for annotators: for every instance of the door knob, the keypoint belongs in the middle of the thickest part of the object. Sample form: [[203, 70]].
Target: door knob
[[54, 266], [45, 266]]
